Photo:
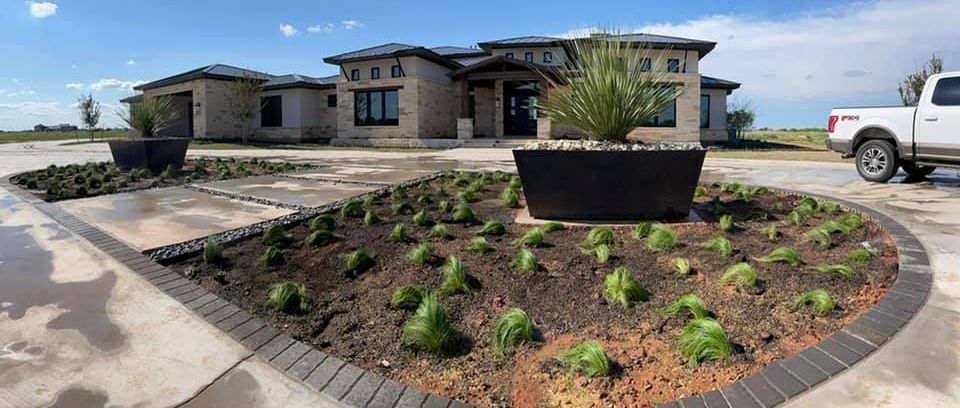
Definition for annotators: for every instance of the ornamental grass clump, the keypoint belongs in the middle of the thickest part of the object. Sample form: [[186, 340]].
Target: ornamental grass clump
[[837, 269], [740, 275], [688, 303], [408, 297], [321, 237], [835, 227], [430, 328], [620, 287], [662, 239], [860, 256], [424, 200], [642, 230], [719, 245], [402, 209], [289, 297], [463, 214], [700, 191], [420, 254], [681, 266], [513, 328], [515, 182], [599, 236], [477, 186], [821, 302], [323, 222], [704, 340], [466, 197], [851, 220], [444, 206], [276, 235], [352, 208], [371, 201], [785, 255], [370, 218], [454, 277], [552, 226], [359, 261], [526, 262], [727, 224], [421, 219], [493, 227], [440, 231], [510, 197], [532, 238], [398, 234], [773, 234], [213, 252], [478, 245], [601, 252], [821, 237], [273, 256], [398, 193], [587, 358]]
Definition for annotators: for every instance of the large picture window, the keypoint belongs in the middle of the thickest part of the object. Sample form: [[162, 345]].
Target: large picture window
[[704, 111], [376, 108], [666, 118], [271, 114]]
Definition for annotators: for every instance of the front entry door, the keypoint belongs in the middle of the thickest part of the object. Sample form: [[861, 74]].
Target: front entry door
[[520, 110]]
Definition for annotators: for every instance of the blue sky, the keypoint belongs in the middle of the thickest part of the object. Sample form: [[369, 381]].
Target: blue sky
[[795, 59]]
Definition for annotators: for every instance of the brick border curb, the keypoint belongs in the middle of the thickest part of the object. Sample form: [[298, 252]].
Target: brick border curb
[[356, 387]]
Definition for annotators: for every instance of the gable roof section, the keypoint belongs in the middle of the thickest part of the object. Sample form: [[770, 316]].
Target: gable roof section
[[390, 50], [215, 71], [458, 52], [300, 81], [500, 60], [717, 83], [525, 41], [649, 40]]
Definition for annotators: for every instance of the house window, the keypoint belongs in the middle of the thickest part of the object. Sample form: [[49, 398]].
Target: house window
[[395, 71], [547, 57], [666, 118], [673, 65], [332, 101], [376, 108], [354, 74], [375, 73], [645, 65], [704, 111], [528, 57], [509, 55], [271, 114], [947, 92]]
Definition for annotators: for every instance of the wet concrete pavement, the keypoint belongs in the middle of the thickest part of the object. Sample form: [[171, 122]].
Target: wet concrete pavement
[[289, 190]]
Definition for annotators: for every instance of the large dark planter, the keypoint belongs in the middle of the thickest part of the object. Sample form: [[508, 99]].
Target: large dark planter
[[609, 185], [153, 153]]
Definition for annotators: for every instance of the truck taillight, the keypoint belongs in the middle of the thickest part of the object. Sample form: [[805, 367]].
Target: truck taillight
[[832, 124]]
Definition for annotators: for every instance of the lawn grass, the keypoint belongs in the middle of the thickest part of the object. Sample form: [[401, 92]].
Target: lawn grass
[[204, 145], [77, 136], [800, 145]]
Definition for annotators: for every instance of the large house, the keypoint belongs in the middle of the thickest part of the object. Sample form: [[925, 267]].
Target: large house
[[399, 91]]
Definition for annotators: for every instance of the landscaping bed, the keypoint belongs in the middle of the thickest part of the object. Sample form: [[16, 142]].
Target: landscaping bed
[[570, 296], [56, 183]]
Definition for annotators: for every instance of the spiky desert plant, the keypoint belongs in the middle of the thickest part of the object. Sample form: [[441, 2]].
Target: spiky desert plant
[[352, 208], [785, 255], [454, 277], [642, 230], [466, 197], [408, 297], [289, 297], [323, 222], [532, 238], [587, 358], [398, 234], [151, 115], [773, 234], [430, 328], [444, 206], [420, 219], [515, 182], [512, 329], [599, 236], [836, 269], [398, 193], [851, 220], [620, 287], [213, 252], [727, 224], [662, 239], [370, 218], [605, 90], [478, 245], [420, 254], [704, 340], [273, 256], [464, 214], [424, 200], [821, 237], [719, 245], [601, 252], [687, 303], [681, 266], [510, 198], [493, 227], [860, 256], [402, 208], [740, 275], [700, 191], [276, 235], [526, 262], [359, 261], [818, 298], [440, 231], [371, 201], [320, 237]]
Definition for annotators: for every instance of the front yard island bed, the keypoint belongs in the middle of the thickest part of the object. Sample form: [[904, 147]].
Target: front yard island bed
[[621, 316]]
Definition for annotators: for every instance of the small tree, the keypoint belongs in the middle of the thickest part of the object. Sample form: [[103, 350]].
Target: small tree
[[911, 87], [740, 116], [89, 112], [243, 101]]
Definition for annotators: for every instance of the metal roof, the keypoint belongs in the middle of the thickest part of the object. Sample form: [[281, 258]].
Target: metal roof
[[300, 81], [717, 83], [649, 40], [473, 60], [458, 52], [215, 71], [391, 50]]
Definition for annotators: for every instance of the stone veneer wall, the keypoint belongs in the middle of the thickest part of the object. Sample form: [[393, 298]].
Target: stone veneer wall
[[484, 108]]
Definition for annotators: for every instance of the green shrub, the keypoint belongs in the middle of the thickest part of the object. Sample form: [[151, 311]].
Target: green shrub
[[408, 297], [687, 303], [552, 226], [454, 277], [599, 236], [821, 237], [681, 266], [424, 200], [704, 340], [512, 329], [719, 245], [276, 235], [515, 182], [403, 209], [478, 245], [837, 269], [440, 231], [642, 230], [662, 239], [587, 358], [420, 219], [620, 287], [213, 252], [370, 218], [851, 220], [699, 191], [773, 234], [273, 256], [464, 214], [466, 197], [358, 261], [785, 255], [740, 275], [321, 237], [493, 227], [727, 224], [398, 234], [420, 254], [860, 256], [371, 201], [818, 298], [352, 208], [526, 262], [510, 198], [289, 297], [532, 238], [430, 328], [444, 206]]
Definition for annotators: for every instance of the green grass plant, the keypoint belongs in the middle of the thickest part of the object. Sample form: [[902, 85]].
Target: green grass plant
[[681, 266], [785, 255], [526, 262], [420, 254], [704, 340], [359, 261], [662, 239], [719, 245], [740, 275], [430, 328], [513, 328], [408, 297], [478, 245], [398, 234], [688, 303], [836, 269], [289, 297], [493, 227], [454, 277], [587, 358], [620, 287], [532, 238], [820, 301]]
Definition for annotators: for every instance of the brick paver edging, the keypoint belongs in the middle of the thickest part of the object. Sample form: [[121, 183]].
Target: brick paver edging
[[356, 387]]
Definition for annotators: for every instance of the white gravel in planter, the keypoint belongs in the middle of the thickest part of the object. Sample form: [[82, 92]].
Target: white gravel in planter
[[607, 146]]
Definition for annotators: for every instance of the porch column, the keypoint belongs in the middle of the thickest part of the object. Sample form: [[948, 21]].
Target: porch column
[[498, 108]]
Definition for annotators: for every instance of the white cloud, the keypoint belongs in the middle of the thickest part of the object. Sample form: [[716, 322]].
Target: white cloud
[[43, 9], [13, 95], [321, 28], [131, 62], [110, 83], [75, 86], [287, 30], [351, 24]]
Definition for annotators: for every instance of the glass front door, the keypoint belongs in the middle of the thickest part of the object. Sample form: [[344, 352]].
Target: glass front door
[[520, 110]]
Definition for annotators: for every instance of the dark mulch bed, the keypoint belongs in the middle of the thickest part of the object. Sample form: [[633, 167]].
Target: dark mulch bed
[[57, 183], [351, 317]]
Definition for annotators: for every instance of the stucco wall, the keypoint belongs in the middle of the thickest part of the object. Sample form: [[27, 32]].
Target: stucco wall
[[718, 107]]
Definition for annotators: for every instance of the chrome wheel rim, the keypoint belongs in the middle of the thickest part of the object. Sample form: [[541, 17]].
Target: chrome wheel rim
[[873, 161]]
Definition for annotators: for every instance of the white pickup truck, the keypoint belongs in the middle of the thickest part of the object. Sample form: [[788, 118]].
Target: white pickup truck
[[918, 139]]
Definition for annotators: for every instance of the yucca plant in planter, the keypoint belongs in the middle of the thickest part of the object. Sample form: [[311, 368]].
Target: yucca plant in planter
[[147, 147], [605, 92]]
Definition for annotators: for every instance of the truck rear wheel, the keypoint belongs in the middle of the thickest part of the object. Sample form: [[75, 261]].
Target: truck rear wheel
[[917, 170], [876, 161]]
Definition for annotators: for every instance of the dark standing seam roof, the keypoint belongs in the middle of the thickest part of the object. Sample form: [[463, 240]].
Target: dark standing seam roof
[[300, 81], [391, 50], [458, 52], [216, 71], [652, 40], [717, 83]]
